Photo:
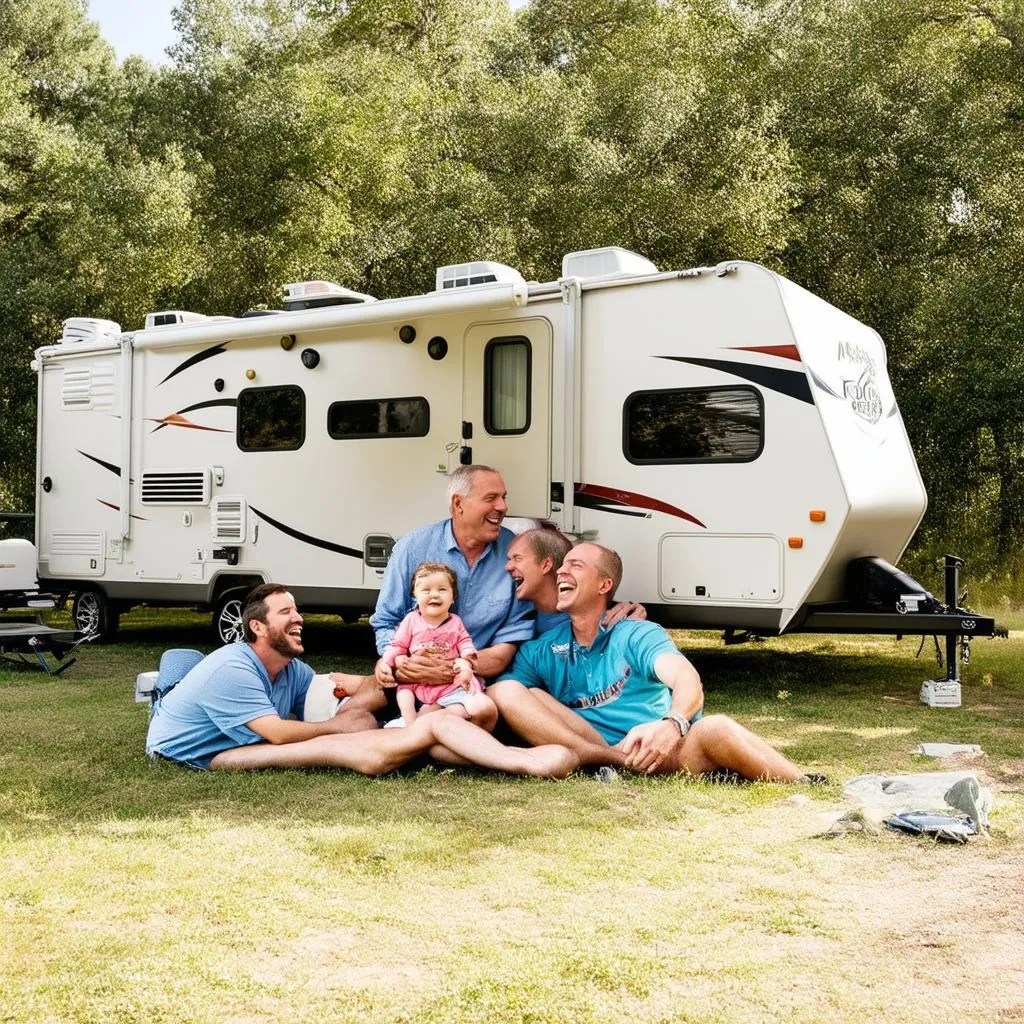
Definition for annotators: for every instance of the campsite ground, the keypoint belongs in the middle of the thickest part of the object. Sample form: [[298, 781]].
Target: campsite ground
[[139, 892]]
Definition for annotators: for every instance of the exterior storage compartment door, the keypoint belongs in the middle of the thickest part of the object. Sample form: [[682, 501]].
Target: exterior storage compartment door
[[716, 569]]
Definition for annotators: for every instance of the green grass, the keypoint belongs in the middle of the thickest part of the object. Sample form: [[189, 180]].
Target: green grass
[[139, 892]]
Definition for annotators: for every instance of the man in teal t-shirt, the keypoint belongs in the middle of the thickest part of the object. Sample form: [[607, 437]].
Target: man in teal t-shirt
[[621, 696]]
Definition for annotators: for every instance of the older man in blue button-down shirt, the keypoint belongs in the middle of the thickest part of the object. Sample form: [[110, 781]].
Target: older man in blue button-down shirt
[[475, 545]]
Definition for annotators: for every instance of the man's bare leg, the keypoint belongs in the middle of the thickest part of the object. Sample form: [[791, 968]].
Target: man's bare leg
[[373, 752], [540, 719], [481, 711], [379, 751], [716, 741], [475, 746]]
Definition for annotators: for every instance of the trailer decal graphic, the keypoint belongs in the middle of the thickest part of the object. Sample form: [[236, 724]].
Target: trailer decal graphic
[[212, 403], [787, 382], [861, 396], [117, 508], [601, 498], [176, 420], [782, 351], [327, 545], [100, 462], [199, 357]]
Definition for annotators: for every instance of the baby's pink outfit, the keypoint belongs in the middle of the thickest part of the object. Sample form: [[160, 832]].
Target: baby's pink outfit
[[415, 634]]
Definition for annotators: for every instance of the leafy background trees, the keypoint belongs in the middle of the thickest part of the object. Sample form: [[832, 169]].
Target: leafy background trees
[[872, 152]]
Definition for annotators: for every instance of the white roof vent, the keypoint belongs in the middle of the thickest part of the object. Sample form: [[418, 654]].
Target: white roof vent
[[314, 294], [611, 261], [173, 317], [82, 328], [465, 275]]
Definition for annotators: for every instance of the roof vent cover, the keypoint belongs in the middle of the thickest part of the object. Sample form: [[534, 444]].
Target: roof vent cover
[[466, 275], [314, 294], [611, 261]]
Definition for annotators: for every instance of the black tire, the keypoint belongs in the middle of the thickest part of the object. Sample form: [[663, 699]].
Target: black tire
[[227, 616], [95, 615]]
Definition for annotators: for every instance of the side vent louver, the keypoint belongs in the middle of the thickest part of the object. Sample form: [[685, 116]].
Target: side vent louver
[[88, 387], [176, 487], [228, 517]]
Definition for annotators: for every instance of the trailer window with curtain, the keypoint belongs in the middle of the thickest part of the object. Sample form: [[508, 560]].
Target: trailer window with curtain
[[271, 419], [680, 425], [507, 370], [379, 417]]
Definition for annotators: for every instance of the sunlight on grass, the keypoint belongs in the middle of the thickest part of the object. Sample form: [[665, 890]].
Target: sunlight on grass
[[138, 892]]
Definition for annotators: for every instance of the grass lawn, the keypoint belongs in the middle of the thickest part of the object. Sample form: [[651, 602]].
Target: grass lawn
[[140, 892]]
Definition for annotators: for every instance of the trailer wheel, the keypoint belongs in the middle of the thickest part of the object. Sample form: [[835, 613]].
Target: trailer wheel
[[227, 616], [95, 615]]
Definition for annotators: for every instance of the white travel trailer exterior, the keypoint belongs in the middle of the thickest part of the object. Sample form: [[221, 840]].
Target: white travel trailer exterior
[[734, 437]]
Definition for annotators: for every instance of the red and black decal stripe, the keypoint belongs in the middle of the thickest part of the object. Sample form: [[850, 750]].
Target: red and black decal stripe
[[792, 383], [626, 503], [213, 403]]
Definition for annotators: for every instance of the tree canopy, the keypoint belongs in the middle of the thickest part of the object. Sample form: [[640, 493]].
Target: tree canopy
[[871, 152]]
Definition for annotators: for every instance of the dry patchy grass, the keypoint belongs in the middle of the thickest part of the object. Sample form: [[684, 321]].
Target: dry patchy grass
[[138, 892]]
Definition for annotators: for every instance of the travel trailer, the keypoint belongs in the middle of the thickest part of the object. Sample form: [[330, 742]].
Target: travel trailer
[[734, 437]]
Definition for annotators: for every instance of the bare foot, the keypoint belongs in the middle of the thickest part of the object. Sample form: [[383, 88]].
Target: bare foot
[[549, 761]]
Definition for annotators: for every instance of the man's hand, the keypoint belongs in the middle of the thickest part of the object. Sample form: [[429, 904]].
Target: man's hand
[[646, 746], [429, 666], [624, 610], [382, 673]]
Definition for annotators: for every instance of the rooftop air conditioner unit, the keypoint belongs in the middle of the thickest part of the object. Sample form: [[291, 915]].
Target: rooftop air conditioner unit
[[466, 275], [82, 328]]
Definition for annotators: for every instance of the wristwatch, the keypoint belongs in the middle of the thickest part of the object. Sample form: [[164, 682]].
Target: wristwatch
[[681, 723]]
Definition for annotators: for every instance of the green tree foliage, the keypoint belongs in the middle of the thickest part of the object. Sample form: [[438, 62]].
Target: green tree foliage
[[870, 151]]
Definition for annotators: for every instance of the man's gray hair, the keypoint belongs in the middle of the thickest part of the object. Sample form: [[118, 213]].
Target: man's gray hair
[[461, 480]]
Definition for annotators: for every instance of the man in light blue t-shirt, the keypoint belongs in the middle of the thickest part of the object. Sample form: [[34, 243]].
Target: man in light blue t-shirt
[[622, 696], [232, 712]]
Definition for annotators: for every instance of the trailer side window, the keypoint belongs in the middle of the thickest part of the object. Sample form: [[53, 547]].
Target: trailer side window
[[693, 425], [379, 417], [507, 369], [271, 419]]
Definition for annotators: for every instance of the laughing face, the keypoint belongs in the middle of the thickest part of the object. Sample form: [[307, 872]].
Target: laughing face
[[580, 579], [283, 628], [526, 569], [478, 515], [434, 596]]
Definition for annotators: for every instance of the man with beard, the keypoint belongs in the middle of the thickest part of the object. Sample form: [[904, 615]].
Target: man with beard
[[232, 712]]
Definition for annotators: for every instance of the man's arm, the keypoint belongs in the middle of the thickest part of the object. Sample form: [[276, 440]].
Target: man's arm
[[648, 744], [492, 661], [276, 730], [624, 610]]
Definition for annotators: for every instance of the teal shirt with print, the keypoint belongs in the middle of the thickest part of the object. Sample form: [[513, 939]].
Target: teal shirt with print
[[610, 684]]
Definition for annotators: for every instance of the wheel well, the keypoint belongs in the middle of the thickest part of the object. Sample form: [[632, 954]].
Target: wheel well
[[229, 582]]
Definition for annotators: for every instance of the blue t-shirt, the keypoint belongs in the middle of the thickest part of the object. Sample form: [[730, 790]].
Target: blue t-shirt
[[207, 711], [611, 684], [487, 601]]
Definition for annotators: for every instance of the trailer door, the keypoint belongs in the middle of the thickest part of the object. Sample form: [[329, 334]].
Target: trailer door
[[506, 408]]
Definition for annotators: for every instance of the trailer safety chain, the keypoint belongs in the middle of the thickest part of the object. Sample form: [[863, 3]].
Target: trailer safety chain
[[965, 650]]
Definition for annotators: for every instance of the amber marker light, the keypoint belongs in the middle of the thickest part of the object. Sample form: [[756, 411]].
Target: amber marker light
[[796, 542], [817, 515], [250, 374]]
